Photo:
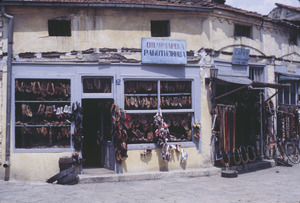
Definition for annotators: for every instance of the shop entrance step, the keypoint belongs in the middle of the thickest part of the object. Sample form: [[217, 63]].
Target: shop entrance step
[[96, 171]]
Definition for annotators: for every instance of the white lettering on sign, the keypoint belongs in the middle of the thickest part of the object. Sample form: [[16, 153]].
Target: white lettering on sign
[[240, 56], [163, 51]]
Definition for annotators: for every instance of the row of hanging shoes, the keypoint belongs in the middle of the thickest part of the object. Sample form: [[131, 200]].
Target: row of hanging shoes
[[176, 102], [97, 85], [140, 102], [133, 87], [42, 89], [47, 111]]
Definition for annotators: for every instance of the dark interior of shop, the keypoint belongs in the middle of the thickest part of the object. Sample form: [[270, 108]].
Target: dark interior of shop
[[96, 129], [246, 121]]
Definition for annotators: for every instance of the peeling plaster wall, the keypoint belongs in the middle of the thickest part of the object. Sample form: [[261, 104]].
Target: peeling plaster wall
[[106, 28], [117, 37]]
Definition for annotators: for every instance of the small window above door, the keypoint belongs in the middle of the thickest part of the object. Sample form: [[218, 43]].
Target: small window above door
[[96, 84]]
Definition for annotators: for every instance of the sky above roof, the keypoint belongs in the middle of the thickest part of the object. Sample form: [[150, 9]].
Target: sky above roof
[[261, 6]]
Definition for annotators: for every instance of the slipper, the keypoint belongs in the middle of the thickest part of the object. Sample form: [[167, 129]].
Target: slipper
[[97, 83]]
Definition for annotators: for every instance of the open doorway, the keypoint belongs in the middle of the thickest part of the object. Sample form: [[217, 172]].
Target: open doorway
[[96, 130]]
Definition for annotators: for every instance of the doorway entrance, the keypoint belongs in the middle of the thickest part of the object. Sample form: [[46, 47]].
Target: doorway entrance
[[96, 128]]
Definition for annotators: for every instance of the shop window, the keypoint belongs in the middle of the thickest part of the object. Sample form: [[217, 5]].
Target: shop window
[[143, 99], [242, 31], [160, 28], [96, 85], [256, 74], [59, 27], [42, 113], [175, 95]]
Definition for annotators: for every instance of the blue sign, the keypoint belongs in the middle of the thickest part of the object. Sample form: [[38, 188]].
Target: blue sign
[[160, 51], [240, 56]]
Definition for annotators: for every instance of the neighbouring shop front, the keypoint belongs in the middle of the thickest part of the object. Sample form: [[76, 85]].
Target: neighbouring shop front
[[287, 111], [106, 113], [239, 114]]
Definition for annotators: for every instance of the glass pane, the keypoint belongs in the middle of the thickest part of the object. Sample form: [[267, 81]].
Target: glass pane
[[96, 85], [175, 87], [293, 93], [179, 126], [287, 95], [143, 129], [42, 113], [176, 102], [175, 95], [42, 89], [140, 87], [140, 102], [42, 137]]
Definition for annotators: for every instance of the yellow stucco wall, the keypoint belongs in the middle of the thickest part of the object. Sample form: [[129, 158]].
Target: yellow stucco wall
[[100, 27], [153, 162], [35, 166]]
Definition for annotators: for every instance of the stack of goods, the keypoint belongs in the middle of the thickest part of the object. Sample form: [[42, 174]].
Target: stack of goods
[[77, 117], [161, 136], [121, 123]]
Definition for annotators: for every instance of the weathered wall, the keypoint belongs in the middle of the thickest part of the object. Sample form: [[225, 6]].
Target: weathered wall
[[105, 28]]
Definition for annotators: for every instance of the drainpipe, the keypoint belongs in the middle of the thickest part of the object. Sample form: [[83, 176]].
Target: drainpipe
[[6, 165]]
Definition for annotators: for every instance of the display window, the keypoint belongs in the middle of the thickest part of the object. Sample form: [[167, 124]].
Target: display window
[[42, 113], [171, 96], [143, 130], [96, 85]]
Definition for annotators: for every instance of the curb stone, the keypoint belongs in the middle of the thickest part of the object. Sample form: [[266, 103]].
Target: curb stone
[[85, 179]]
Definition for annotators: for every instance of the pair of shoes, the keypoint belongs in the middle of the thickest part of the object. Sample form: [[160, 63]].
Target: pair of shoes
[[26, 110]]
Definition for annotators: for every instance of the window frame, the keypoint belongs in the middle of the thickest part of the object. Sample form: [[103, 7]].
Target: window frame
[[240, 33], [286, 93], [293, 38], [55, 28], [188, 143], [163, 26], [13, 113]]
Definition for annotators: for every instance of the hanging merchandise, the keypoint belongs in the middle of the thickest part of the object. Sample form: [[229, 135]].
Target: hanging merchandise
[[197, 130], [226, 120], [183, 156], [146, 151], [121, 123], [77, 117], [161, 136]]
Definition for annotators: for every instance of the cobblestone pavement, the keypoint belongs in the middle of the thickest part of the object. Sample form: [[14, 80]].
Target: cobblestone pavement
[[277, 184]]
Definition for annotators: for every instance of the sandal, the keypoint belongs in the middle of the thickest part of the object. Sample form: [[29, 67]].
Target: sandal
[[97, 83], [17, 86], [50, 89], [28, 111], [251, 153]]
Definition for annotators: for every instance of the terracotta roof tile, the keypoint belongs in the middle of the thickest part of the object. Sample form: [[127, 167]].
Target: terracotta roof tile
[[288, 7]]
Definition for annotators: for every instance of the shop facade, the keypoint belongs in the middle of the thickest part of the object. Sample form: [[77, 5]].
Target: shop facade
[[71, 91], [42, 122]]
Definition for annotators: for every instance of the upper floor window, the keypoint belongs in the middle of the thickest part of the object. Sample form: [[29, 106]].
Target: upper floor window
[[59, 27], [293, 38], [242, 31], [160, 28]]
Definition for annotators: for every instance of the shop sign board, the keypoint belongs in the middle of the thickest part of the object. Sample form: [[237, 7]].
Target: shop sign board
[[160, 51], [240, 56], [291, 68]]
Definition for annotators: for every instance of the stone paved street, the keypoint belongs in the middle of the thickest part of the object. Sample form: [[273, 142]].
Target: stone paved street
[[277, 184]]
